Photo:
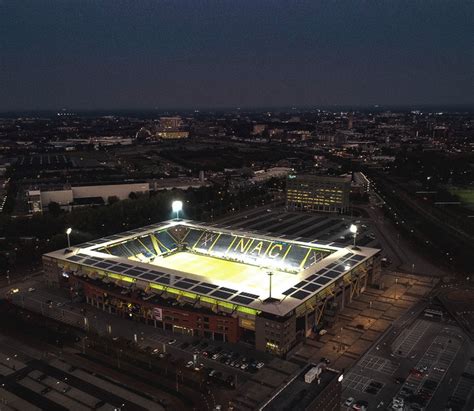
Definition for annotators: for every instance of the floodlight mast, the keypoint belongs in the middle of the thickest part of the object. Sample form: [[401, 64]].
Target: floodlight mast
[[177, 206], [270, 275], [354, 230], [68, 233]]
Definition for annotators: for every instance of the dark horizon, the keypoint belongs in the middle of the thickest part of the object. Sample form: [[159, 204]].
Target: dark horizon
[[448, 108], [132, 55]]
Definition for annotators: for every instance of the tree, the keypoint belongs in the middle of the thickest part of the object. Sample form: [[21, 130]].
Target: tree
[[54, 208], [112, 200]]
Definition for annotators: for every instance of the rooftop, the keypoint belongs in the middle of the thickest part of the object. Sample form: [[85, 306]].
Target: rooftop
[[298, 394], [220, 263]]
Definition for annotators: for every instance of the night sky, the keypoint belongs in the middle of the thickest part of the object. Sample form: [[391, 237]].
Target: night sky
[[111, 54]]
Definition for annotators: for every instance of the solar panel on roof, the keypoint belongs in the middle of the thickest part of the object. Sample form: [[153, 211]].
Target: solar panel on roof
[[242, 300], [300, 284], [249, 295], [133, 271], [74, 258], [311, 287], [175, 278], [119, 268], [201, 289], [229, 290], [148, 276], [311, 277], [104, 264], [340, 268], [322, 280], [289, 291], [209, 285], [189, 280], [357, 257], [162, 280], [332, 274], [155, 272], [221, 294], [183, 284], [300, 295], [89, 261]]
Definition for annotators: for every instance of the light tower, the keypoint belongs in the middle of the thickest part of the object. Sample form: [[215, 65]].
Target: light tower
[[270, 275], [177, 206], [68, 233], [354, 230]]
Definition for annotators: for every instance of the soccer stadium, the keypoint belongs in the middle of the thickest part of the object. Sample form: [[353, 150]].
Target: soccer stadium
[[215, 282]]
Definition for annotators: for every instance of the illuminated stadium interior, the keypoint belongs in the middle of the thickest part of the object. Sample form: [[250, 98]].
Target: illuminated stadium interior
[[207, 262], [178, 243]]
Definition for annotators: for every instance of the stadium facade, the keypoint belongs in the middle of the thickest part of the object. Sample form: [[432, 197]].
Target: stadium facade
[[214, 282]]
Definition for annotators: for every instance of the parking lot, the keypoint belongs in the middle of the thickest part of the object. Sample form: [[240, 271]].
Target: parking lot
[[373, 362], [432, 369], [409, 339]]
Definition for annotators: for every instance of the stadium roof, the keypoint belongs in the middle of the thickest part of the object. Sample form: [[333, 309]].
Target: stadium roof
[[300, 269]]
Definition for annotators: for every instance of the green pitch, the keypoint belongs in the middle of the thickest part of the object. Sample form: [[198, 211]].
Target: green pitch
[[230, 274]]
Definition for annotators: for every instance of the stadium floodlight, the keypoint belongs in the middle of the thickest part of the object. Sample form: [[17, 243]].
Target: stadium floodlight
[[353, 228], [177, 206], [68, 233]]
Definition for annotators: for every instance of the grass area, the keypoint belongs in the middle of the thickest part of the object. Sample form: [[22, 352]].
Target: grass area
[[465, 195], [242, 277]]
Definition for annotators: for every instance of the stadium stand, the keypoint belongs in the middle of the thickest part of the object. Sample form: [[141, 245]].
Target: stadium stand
[[228, 246], [165, 239], [191, 238], [222, 244], [295, 256], [206, 241]]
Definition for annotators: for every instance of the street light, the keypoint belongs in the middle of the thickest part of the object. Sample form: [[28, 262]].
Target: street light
[[353, 229], [68, 233], [177, 206]]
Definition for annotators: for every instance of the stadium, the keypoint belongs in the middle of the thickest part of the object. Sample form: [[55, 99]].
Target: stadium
[[215, 282]]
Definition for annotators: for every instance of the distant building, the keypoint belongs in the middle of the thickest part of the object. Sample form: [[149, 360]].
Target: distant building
[[180, 183], [170, 123], [350, 121], [259, 128], [170, 128], [318, 193], [69, 197], [261, 176], [316, 388], [172, 134]]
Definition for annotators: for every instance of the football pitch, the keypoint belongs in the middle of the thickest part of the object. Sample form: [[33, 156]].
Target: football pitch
[[230, 274]]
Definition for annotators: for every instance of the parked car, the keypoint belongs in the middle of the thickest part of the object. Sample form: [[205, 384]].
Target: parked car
[[349, 401]]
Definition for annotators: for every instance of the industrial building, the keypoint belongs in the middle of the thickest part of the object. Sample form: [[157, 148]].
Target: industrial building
[[69, 197], [318, 193]]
